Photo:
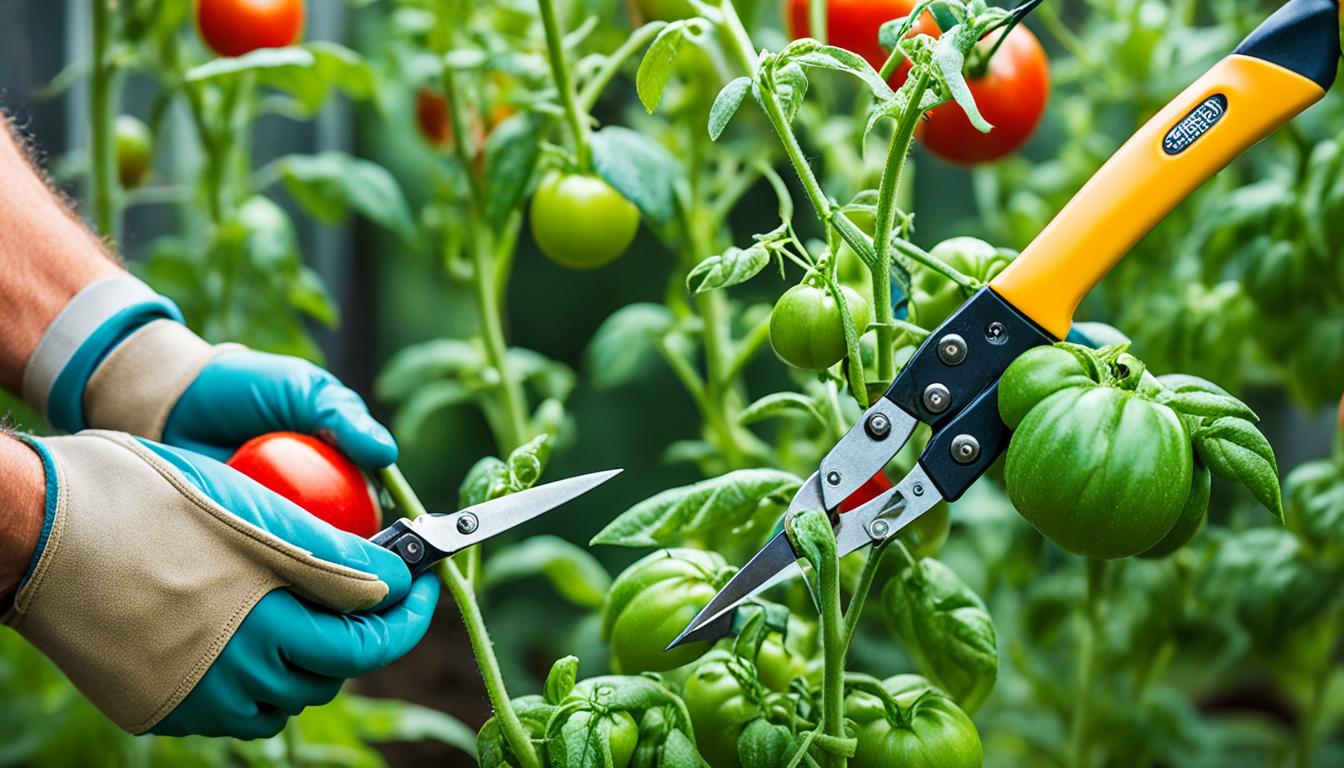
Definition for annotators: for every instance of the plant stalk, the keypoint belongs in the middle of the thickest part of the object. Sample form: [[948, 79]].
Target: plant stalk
[[102, 150], [564, 84], [512, 728], [1080, 736]]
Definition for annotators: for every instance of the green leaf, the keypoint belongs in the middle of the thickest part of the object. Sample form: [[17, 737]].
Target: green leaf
[[571, 570], [352, 719], [255, 61], [424, 403], [727, 500], [329, 185], [640, 169], [764, 745], [309, 295], [528, 461], [840, 60], [268, 235], [781, 404], [511, 154], [550, 378], [946, 628], [1234, 448], [560, 680], [1206, 405], [726, 105], [656, 67], [623, 348], [630, 694], [949, 58], [419, 364], [732, 267], [487, 479]]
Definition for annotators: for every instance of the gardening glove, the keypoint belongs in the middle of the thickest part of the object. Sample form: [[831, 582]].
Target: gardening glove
[[118, 357], [181, 597]]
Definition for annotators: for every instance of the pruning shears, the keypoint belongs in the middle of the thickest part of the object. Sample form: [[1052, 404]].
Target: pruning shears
[[951, 383], [427, 539]]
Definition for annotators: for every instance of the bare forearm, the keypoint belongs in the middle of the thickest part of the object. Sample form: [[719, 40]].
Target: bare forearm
[[46, 256], [22, 508]]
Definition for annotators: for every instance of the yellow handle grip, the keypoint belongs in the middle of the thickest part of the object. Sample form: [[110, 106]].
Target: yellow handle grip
[[1236, 104]]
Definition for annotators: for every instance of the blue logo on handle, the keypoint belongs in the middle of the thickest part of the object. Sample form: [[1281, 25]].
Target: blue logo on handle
[[1194, 125]]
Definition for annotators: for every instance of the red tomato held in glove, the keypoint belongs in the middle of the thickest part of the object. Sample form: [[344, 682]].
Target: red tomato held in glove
[[314, 475], [854, 24], [1011, 96], [236, 27]]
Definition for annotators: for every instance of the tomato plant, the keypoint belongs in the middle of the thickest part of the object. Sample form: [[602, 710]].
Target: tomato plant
[[315, 475], [806, 329], [236, 27]]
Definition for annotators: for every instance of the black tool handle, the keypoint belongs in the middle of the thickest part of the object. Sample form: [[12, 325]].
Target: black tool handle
[[418, 554]]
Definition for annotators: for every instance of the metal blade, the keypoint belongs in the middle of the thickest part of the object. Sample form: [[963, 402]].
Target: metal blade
[[766, 569], [862, 452], [459, 530], [886, 515]]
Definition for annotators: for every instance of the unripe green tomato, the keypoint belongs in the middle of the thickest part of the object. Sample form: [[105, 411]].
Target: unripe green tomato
[[134, 150], [781, 660], [933, 298], [652, 601], [644, 11], [929, 730], [806, 330], [719, 708], [580, 221], [1038, 373], [1102, 472], [1193, 515]]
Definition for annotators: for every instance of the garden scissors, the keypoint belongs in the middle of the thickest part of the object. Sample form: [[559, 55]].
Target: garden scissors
[[424, 541], [951, 382]]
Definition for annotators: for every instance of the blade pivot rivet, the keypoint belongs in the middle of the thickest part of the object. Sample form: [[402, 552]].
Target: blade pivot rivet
[[878, 529], [965, 449], [952, 349], [833, 477], [878, 426], [937, 398], [996, 333], [467, 523], [917, 489], [411, 550]]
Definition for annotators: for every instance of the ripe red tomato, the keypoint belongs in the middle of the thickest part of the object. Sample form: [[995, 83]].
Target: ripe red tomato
[[314, 475], [1011, 95], [236, 27], [853, 25]]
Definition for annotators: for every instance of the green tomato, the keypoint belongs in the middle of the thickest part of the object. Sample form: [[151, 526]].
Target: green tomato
[[580, 221], [806, 329], [644, 11], [933, 298], [652, 601], [1193, 515], [925, 729], [719, 707], [781, 659], [622, 736], [134, 150], [1096, 466]]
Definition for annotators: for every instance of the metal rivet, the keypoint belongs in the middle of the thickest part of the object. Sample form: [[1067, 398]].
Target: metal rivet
[[996, 333], [878, 426], [833, 477], [937, 397], [411, 550], [467, 523], [917, 489], [965, 449], [952, 349], [878, 529]]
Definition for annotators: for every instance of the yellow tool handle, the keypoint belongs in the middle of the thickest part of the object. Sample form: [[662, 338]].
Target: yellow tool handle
[[1284, 67]]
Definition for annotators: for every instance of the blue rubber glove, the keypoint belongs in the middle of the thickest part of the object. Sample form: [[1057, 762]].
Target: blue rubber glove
[[183, 598], [118, 357]]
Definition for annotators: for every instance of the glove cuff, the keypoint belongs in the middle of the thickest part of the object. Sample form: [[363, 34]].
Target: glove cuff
[[90, 326], [137, 385], [143, 579]]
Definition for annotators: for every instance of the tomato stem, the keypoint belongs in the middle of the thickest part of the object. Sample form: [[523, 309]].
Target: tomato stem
[[408, 502], [633, 44], [102, 153], [816, 20], [564, 84], [860, 596], [1091, 631], [899, 152]]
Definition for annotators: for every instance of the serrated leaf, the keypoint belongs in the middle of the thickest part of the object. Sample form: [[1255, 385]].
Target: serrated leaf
[[727, 500], [726, 105], [656, 66], [950, 60], [571, 570], [840, 60], [1234, 448], [732, 267]]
